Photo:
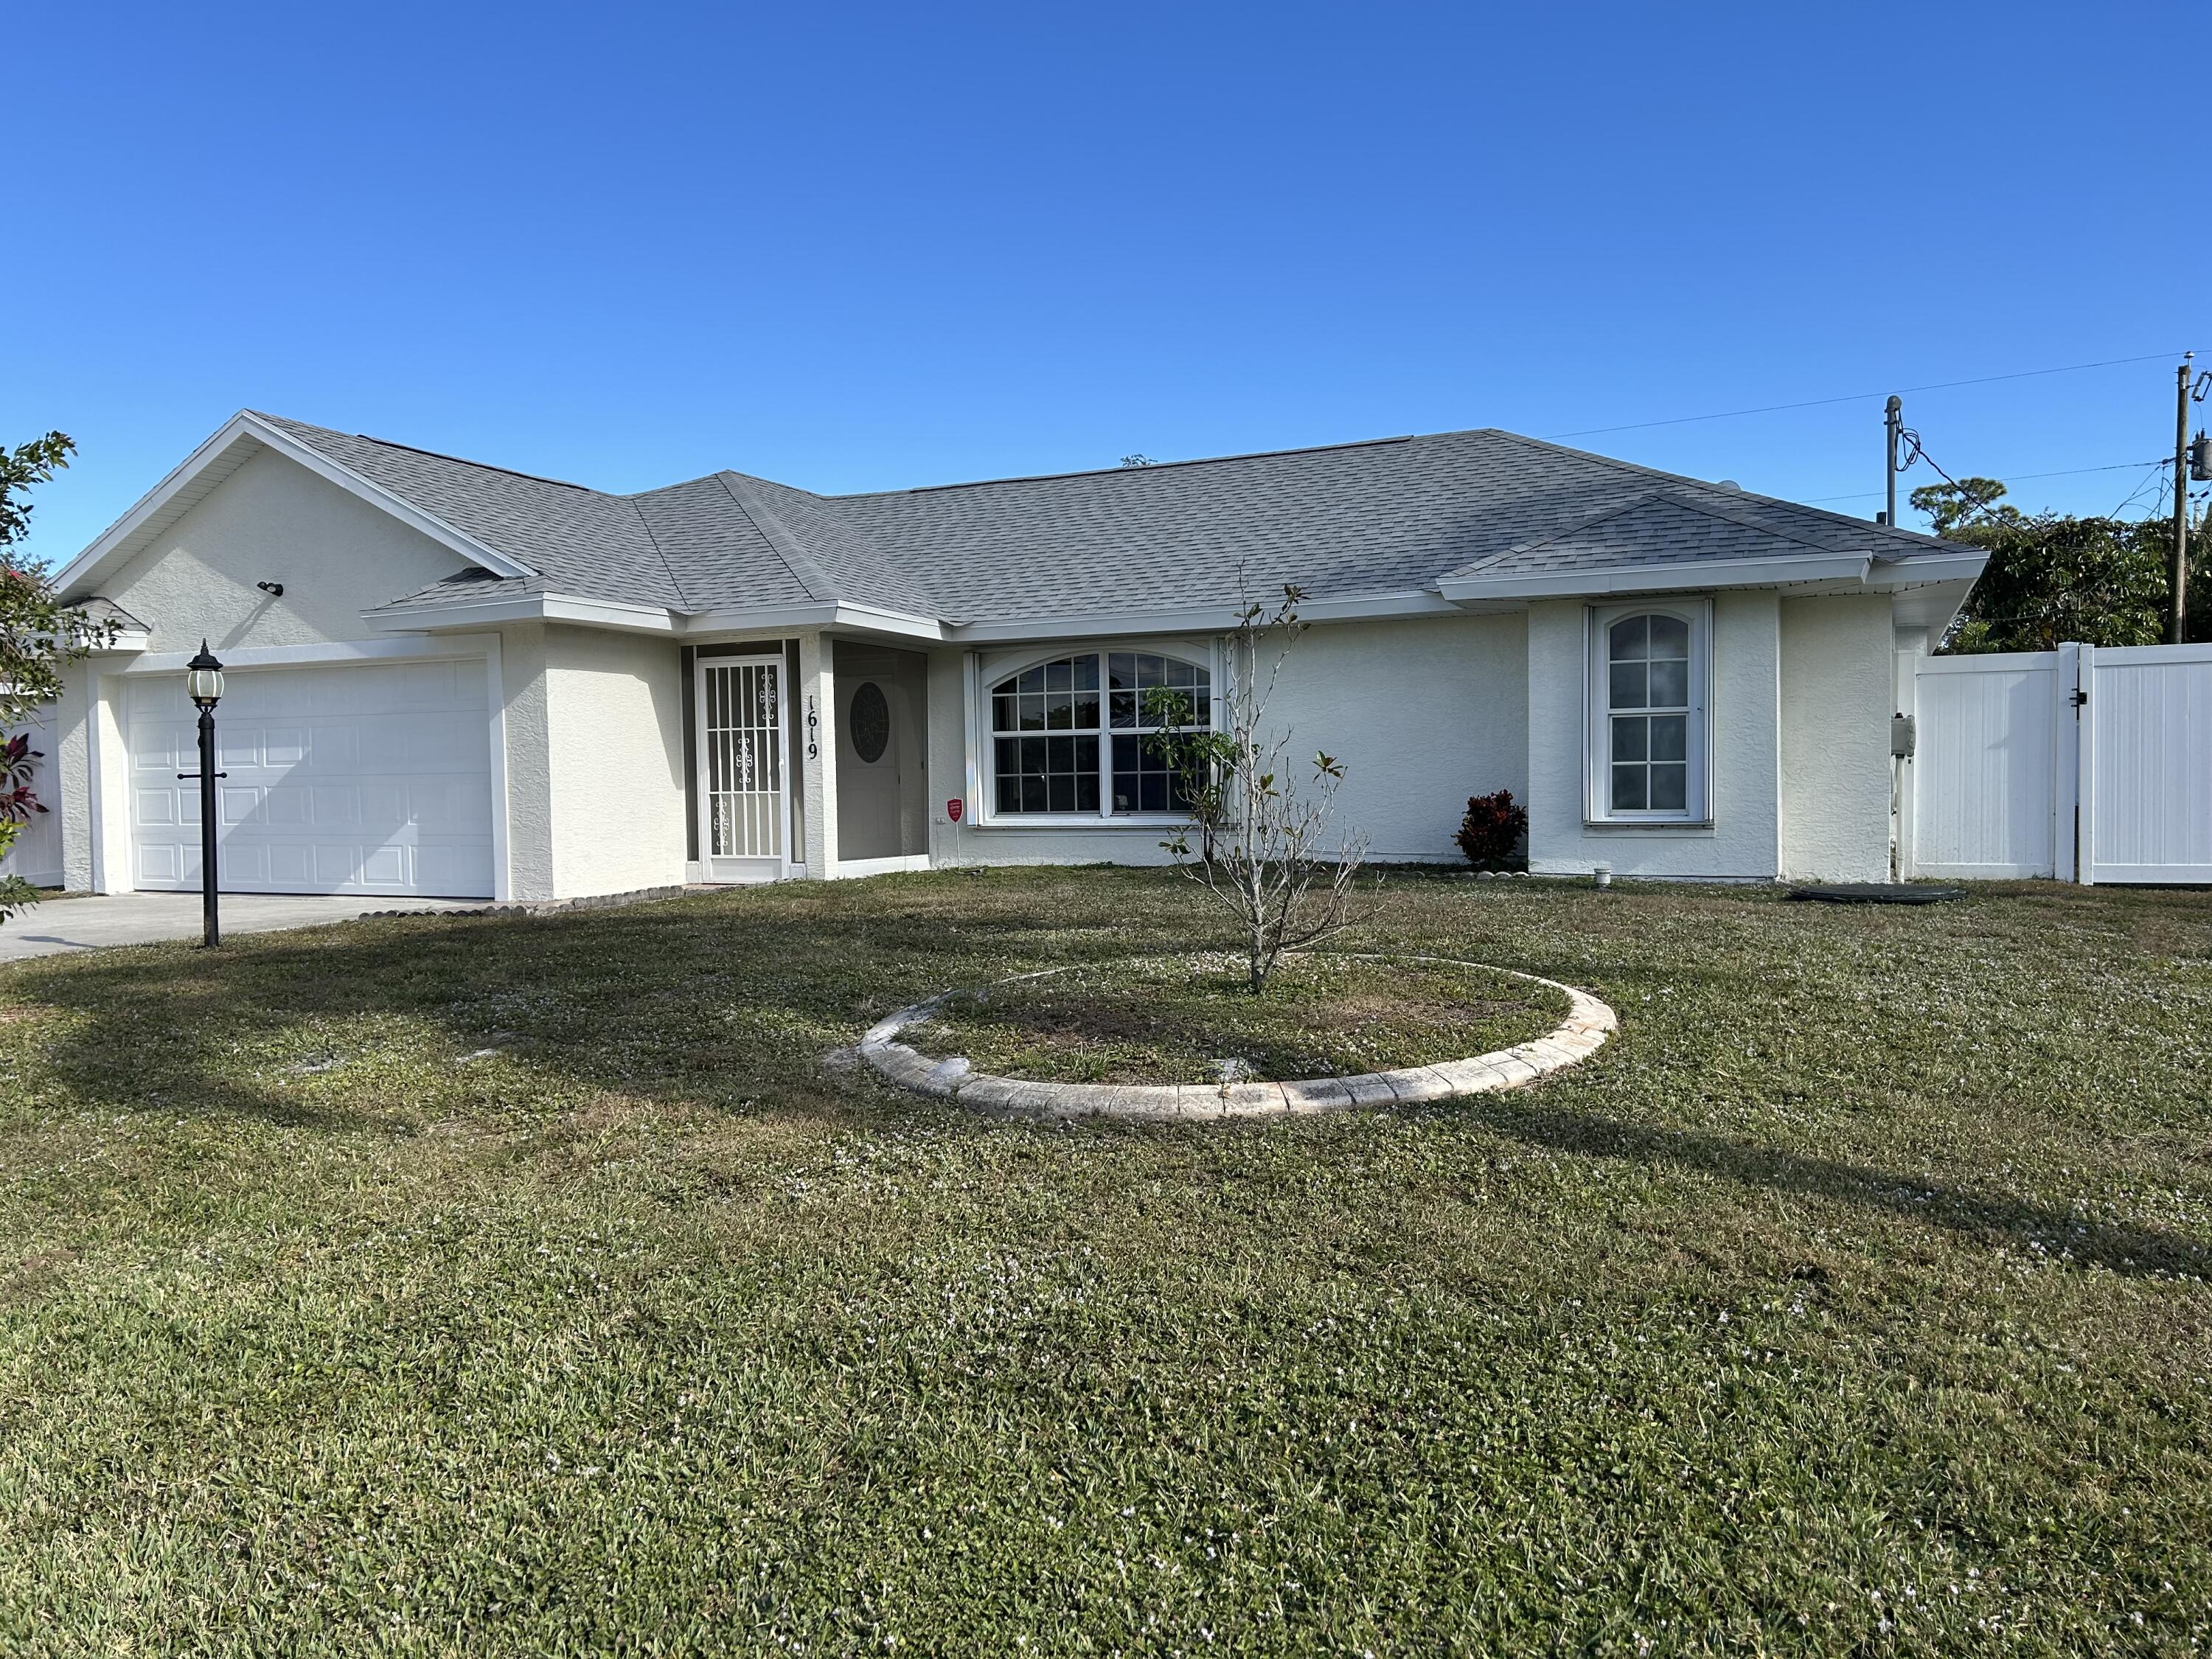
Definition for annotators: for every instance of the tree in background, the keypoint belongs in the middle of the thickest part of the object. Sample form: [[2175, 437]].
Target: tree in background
[[38, 640], [2053, 577]]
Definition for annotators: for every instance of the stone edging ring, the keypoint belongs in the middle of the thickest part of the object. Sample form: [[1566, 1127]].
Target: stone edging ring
[[1580, 1035]]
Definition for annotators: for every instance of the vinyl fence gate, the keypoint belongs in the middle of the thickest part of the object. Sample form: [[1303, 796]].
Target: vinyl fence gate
[[2085, 763]]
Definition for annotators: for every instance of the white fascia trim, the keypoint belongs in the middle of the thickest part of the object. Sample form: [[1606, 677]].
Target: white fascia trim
[[533, 607], [87, 565], [653, 619], [1928, 567], [1687, 577], [331, 651], [125, 642], [1200, 619], [753, 620], [610, 613]]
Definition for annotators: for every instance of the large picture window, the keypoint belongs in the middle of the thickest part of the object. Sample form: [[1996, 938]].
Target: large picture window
[[1068, 736], [1647, 738]]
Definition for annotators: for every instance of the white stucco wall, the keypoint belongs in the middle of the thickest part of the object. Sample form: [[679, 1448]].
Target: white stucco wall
[[1836, 668], [1742, 842], [525, 726], [817, 757], [614, 724], [1423, 712], [72, 783], [273, 520]]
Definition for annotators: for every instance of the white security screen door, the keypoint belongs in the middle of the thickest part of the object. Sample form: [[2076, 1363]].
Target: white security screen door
[[744, 768]]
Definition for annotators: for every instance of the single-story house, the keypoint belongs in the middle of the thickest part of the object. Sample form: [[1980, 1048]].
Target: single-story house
[[449, 677]]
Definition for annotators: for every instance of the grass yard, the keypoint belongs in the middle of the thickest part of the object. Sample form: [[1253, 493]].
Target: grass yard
[[455, 1285], [1183, 1019]]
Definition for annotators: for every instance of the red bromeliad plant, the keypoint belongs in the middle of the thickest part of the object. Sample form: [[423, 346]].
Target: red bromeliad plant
[[1491, 830], [18, 760], [17, 803]]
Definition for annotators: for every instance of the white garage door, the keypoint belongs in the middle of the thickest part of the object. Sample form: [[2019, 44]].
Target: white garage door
[[370, 779]]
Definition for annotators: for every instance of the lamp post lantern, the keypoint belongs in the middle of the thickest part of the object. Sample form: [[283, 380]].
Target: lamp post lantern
[[203, 685]]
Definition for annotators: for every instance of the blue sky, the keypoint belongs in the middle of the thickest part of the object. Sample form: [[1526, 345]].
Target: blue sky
[[854, 247]]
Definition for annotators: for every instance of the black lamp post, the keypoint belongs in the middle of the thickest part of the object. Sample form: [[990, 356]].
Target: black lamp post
[[204, 682]]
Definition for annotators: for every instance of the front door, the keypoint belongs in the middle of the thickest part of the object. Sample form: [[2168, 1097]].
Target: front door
[[745, 769], [869, 739]]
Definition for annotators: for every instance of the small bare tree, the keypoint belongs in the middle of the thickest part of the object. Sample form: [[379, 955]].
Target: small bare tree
[[1258, 830]]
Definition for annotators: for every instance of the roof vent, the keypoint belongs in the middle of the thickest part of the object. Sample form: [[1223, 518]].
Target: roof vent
[[1729, 484]]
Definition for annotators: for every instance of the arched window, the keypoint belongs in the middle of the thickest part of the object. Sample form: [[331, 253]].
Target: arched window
[[1068, 736], [1648, 708]]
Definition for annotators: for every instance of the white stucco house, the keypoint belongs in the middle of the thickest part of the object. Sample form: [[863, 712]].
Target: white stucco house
[[447, 678]]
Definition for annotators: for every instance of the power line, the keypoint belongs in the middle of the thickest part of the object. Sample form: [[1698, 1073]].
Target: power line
[[1860, 396], [2016, 478], [2151, 477]]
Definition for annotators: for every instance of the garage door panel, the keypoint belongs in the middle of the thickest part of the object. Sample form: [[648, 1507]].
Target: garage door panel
[[386, 868], [287, 806], [453, 867], [153, 752], [333, 748], [385, 741], [337, 806], [158, 867], [426, 685], [452, 807], [359, 779], [388, 805], [433, 740]]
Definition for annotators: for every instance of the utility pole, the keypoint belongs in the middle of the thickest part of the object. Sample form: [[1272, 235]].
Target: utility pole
[[1892, 423], [2177, 617]]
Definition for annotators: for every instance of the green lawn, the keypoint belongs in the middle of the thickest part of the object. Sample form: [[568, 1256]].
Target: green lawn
[[521, 1286]]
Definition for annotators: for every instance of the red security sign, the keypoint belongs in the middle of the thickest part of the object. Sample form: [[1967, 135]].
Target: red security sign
[[952, 809]]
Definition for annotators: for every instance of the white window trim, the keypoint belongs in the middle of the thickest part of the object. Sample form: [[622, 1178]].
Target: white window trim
[[1597, 725], [981, 779]]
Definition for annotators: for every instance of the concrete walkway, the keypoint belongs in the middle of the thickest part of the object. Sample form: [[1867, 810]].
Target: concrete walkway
[[85, 924]]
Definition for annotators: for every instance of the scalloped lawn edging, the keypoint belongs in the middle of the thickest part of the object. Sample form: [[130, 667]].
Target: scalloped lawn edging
[[1580, 1035]]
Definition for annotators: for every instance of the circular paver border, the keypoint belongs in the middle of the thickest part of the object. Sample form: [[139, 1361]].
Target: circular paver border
[[1580, 1035]]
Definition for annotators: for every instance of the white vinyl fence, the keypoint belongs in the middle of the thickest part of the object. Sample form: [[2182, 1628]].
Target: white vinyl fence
[[2082, 763], [37, 853]]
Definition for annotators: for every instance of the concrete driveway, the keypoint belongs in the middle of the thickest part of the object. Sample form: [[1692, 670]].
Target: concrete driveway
[[85, 924]]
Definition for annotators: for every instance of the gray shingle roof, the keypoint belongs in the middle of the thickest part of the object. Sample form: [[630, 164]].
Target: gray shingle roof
[[831, 551], [704, 531], [1658, 528], [591, 544], [1388, 516]]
